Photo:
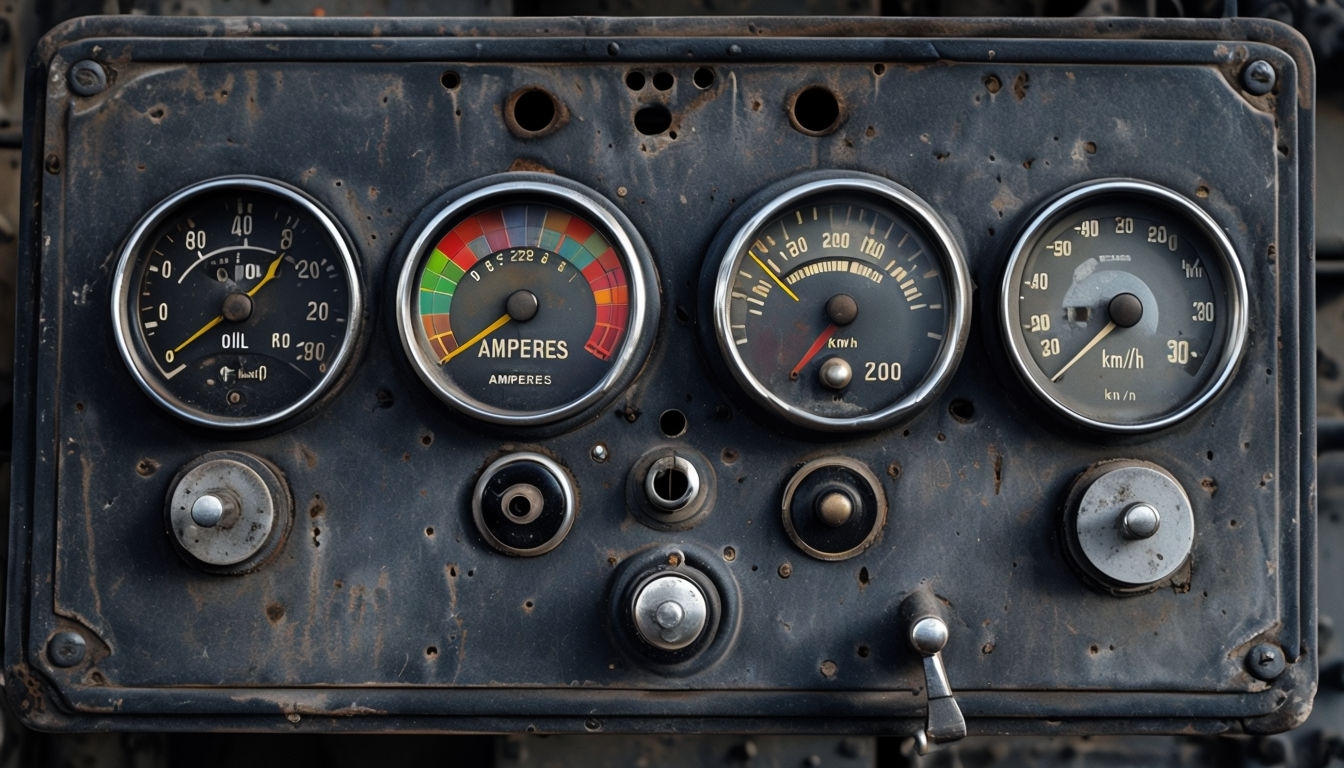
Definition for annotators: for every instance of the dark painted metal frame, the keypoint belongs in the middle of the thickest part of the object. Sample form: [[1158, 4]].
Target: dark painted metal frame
[[385, 610]]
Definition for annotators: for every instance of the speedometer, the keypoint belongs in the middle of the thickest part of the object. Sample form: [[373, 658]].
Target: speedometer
[[1123, 306]]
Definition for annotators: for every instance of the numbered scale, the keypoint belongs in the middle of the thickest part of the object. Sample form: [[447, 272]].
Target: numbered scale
[[236, 302], [1124, 306], [839, 301]]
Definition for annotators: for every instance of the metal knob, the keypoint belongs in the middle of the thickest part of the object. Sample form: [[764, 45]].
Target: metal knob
[[670, 612]]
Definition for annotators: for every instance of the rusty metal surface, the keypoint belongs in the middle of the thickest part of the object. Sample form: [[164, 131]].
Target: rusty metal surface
[[367, 619]]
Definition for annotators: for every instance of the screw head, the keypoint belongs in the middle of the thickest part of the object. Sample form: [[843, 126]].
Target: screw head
[[1259, 77], [1266, 661], [66, 649], [87, 77]]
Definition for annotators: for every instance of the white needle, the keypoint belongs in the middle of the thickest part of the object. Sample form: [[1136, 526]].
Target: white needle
[[1095, 340]]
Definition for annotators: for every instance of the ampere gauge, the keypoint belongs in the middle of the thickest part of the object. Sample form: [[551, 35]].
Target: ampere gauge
[[1123, 306], [840, 301], [525, 299], [236, 302]]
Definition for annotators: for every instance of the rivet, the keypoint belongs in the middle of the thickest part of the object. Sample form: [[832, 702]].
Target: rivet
[[1266, 661], [66, 649], [87, 77], [1259, 77]]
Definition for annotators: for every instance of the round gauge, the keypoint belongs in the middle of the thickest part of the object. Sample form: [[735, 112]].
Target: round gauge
[[236, 302], [524, 299], [1123, 306], [840, 301]]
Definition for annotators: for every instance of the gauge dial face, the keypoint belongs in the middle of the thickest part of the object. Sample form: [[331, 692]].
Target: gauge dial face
[[524, 301], [1123, 306], [237, 302], [841, 303]]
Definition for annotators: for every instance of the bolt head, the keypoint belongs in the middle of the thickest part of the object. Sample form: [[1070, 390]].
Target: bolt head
[[87, 77], [1266, 661], [66, 649], [1259, 77]]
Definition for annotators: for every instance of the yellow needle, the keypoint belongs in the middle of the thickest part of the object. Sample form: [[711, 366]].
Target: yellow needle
[[1111, 326], [772, 275], [270, 275], [199, 333], [489, 329]]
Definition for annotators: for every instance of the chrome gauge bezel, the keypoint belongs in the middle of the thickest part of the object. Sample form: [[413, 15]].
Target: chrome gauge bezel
[[775, 200], [530, 188], [130, 342], [1231, 341]]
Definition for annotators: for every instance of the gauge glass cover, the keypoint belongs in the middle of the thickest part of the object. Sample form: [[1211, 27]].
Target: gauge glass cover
[[237, 302], [524, 301], [841, 303], [1123, 306]]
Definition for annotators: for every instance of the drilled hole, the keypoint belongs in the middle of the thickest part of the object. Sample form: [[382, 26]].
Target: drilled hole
[[533, 112], [703, 78], [653, 120], [635, 81], [672, 423], [663, 81], [450, 80], [816, 111], [962, 410]]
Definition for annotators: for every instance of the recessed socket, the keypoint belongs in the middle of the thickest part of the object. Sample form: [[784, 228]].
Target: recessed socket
[[670, 489]]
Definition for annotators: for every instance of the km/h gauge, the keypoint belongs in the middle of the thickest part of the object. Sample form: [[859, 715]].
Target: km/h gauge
[[839, 301], [1124, 306], [236, 302], [525, 299]]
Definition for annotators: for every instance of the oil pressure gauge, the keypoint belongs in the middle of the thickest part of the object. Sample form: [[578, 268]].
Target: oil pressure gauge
[[236, 302], [1123, 306], [525, 299], [839, 301]]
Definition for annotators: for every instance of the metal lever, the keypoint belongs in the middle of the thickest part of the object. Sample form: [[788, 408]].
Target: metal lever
[[928, 635]]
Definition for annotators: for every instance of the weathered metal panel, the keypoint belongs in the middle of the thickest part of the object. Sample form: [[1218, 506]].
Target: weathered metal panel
[[384, 608]]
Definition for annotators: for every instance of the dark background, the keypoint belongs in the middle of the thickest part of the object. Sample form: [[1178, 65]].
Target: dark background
[[1319, 742]]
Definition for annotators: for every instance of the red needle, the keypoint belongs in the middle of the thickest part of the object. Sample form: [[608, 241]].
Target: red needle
[[813, 350]]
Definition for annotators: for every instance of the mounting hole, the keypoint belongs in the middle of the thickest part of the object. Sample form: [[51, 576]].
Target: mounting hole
[[533, 112], [962, 410], [635, 81], [815, 111], [653, 120], [663, 81], [703, 78], [673, 423], [450, 80]]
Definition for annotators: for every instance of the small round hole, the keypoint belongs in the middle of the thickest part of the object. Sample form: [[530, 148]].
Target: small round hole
[[634, 80], [703, 78], [816, 111], [653, 120], [879, 69], [450, 80], [663, 81], [533, 112], [962, 410], [672, 423]]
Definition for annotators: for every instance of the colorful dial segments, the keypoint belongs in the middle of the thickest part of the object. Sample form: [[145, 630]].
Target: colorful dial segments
[[523, 299], [520, 226]]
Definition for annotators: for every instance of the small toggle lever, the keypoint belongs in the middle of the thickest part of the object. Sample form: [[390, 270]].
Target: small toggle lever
[[928, 635]]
